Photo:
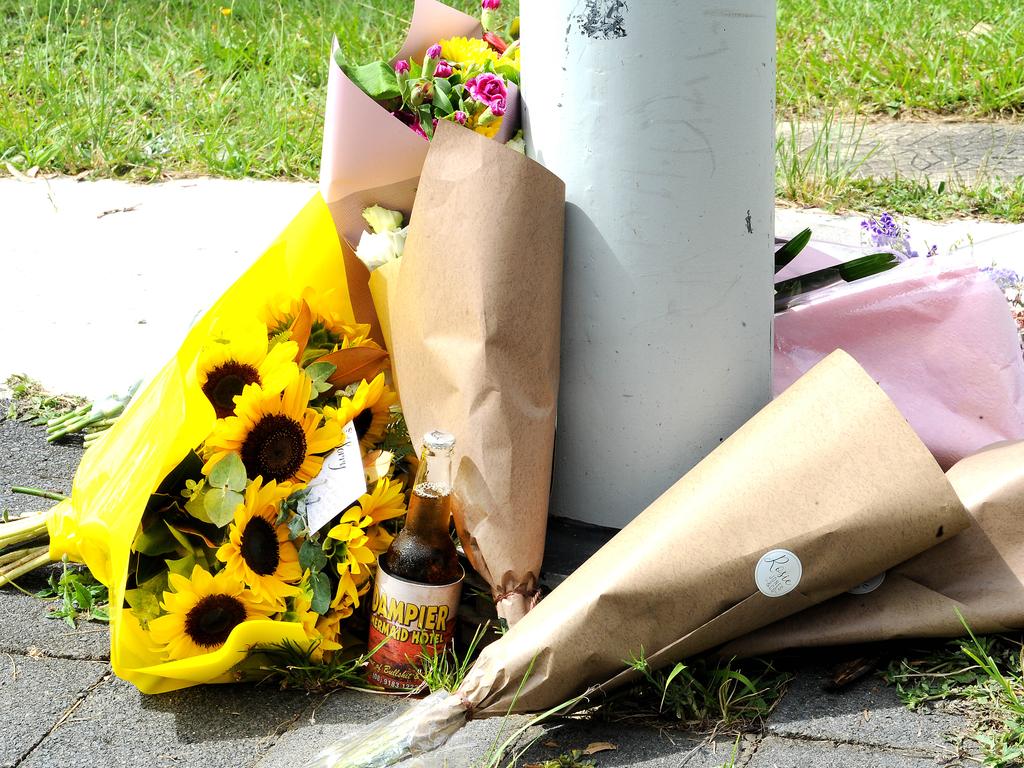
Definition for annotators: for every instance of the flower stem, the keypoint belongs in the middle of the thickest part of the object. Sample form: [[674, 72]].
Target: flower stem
[[34, 558], [24, 529], [53, 495]]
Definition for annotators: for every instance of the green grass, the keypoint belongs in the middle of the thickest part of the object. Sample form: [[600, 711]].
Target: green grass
[[819, 167], [141, 89], [892, 57], [980, 677], [147, 90]]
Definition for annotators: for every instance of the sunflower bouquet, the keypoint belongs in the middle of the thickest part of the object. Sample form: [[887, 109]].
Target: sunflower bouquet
[[240, 502], [233, 534], [466, 80]]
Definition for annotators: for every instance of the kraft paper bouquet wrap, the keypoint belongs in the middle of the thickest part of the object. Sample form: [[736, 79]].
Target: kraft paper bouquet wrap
[[472, 313], [829, 473], [979, 573]]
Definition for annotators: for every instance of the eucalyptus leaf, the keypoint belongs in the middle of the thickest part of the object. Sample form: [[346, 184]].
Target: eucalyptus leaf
[[321, 601], [319, 373], [145, 599], [311, 557], [220, 505], [196, 506], [229, 473]]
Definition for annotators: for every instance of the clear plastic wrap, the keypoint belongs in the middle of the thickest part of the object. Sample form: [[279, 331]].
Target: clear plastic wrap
[[422, 727]]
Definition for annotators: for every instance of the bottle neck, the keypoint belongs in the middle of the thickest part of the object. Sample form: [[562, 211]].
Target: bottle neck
[[430, 511]]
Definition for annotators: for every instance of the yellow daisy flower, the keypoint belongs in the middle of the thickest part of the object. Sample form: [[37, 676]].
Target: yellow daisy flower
[[385, 502], [378, 539], [258, 552], [237, 356], [467, 51], [201, 612], [279, 437], [322, 631], [369, 409], [356, 558]]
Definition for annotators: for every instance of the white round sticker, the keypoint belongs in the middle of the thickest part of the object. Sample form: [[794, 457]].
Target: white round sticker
[[777, 573], [868, 586]]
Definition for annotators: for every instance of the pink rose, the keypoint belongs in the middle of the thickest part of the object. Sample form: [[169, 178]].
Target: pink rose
[[489, 89]]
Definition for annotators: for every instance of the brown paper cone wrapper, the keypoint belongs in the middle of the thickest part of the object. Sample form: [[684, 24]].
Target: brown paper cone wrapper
[[980, 572], [829, 471], [472, 317]]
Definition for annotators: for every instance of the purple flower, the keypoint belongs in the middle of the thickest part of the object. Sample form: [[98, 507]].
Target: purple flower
[[460, 117], [890, 234], [1006, 279], [434, 52], [490, 5], [402, 67], [489, 90], [443, 69]]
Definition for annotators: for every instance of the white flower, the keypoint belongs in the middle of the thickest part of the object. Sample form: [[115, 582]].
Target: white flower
[[377, 249], [382, 220]]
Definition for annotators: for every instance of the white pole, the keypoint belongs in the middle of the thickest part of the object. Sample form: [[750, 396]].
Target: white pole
[[659, 116]]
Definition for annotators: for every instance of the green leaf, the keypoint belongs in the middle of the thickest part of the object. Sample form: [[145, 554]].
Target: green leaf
[[229, 473], [321, 601], [792, 249], [312, 557], [442, 103], [145, 599], [376, 80], [196, 506], [319, 373], [183, 566], [220, 505], [154, 540]]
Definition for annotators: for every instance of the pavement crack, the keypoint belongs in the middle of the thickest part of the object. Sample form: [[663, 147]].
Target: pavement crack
[[63, 718], [811, 739]]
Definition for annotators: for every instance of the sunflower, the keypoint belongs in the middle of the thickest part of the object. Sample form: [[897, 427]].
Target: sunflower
[[465, 51], [329, 327], [259, 552], [369, 408], [202, 611], [277, 436], [239, 356], [352, 552]]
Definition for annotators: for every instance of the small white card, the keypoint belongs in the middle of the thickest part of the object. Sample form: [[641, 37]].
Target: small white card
[[340, 482]]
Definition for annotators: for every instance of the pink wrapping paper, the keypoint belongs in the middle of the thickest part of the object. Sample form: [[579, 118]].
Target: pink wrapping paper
[[369, 157], [936, 334]]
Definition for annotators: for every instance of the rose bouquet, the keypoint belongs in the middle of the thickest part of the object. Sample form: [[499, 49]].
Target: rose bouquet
[[242, 499]]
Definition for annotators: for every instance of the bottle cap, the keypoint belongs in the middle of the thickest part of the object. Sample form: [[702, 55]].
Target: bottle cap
[[438, 441]]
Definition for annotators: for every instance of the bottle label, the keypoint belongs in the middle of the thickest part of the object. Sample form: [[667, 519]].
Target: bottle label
[[778, 572], [408, 621]]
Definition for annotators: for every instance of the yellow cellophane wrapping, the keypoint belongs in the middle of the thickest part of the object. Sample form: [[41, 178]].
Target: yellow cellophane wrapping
[[166, 420]]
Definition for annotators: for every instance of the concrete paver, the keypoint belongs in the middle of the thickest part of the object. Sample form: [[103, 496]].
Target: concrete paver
[[925, 151], [867, 713], [35, 694], [208, 726], [774, 752]]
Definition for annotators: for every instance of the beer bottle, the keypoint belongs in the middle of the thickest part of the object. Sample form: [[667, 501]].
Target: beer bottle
[[423, 550], [416, 592]]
